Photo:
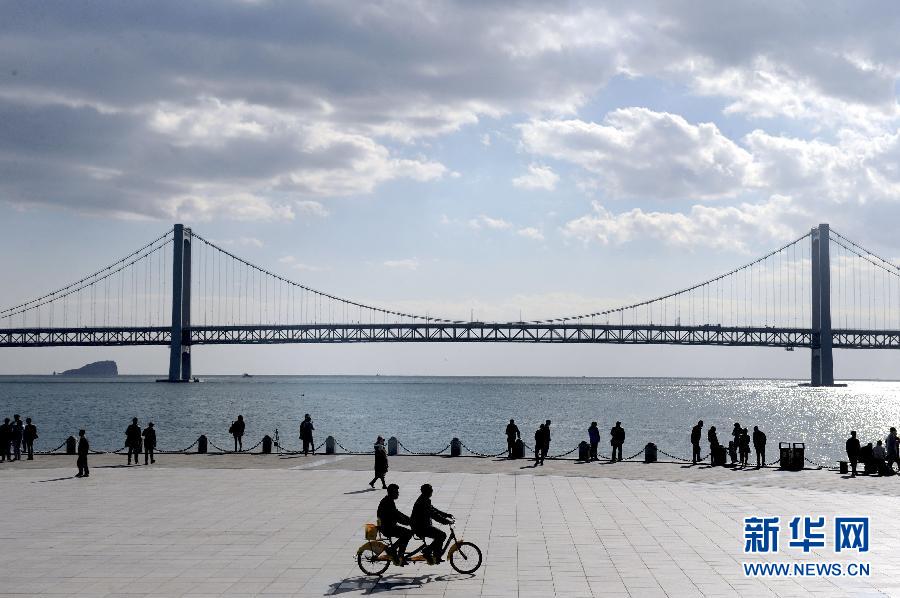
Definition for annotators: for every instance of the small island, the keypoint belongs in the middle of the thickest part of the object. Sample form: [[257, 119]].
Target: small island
[[98, 369]]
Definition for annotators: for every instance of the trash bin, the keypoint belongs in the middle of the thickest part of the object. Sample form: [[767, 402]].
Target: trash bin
[[650, 453], [329, 445], [267, 445], [518, 451], [843, 466], [70, 445], [798, 458], [784, 455], [455, 447], [392, 446], [717, 455], [584, 451], [201, 445]]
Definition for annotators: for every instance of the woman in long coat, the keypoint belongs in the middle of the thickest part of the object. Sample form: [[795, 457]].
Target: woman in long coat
[[381, 463]]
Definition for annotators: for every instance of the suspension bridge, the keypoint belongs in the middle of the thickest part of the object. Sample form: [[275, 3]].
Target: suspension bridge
[[819, 292]]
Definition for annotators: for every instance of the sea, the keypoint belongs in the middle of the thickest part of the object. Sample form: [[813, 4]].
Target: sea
[[425, 413]]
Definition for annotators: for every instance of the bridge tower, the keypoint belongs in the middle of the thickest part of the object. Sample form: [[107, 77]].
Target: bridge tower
[[180, 346], [822, 365]]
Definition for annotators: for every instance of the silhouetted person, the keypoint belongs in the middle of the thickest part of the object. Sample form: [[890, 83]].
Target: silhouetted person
[[381, 463], [306, 435], [713, 438], [733, 451], [149, 443], [84, 448], [853, 452], [390, 520], [865, 455], [696, 436], [4, 441], [744, 445], [16, 429], [879, 457], [29, 435], [617, 439], [422, 514], [594, 439], [759, 445], [133, 441], [538, 444], [237, 430], [545, 448], [892, 445], [512, 434]]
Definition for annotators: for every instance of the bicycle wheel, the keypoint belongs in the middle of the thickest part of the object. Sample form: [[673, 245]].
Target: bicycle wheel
[[466, 558], [370, 563]]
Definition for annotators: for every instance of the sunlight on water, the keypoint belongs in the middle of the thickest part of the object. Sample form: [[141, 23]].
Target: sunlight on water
[[425, 413]]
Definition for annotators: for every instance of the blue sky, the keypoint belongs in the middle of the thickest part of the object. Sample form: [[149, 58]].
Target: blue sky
[[447, 157]]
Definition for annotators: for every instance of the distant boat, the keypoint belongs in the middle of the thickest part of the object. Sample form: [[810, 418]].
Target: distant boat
[[246, 375]]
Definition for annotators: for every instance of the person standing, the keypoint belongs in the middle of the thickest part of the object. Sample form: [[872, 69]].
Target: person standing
[[133, 441], [696, 436], [538, 445], [149, 443], [853, 449], [84, 448], [306, 435], [4, 441], [594, 439], [744, 445], [617, 439], [759, 445], [512, 434], [892, 444], [16, 429], [237, 430], [381, 463], [29, 435], [545, 448]]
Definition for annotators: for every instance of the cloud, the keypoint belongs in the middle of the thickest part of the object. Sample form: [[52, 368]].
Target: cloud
[[406, 264], [311, 208], [483, 221], [733, 228], [242, 242], [640, 153], [538, 177], [486, 140], [529, 232]]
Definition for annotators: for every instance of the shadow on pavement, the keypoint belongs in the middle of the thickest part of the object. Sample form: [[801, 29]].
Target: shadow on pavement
[[390, 583]]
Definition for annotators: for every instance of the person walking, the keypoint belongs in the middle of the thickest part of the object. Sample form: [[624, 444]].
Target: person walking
[[133, 441], [696, 436], [512, 434], [84, 448], [853, 449], [617, 439], [149, 443], [381, 463], [759, 445], [237, 430], [545, 448], [16, 428], [594, 439], [892, 444], [538, 445], [4, 441], [306, 435], [29, 435]]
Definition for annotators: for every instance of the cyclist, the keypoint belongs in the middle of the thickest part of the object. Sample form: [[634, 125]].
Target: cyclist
[[389, 520], [422, 514]]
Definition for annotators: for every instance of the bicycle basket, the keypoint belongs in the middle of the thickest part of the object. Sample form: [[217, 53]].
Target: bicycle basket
[[371, 531]]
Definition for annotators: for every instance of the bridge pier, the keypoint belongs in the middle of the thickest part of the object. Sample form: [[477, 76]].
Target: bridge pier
[[822, 365], [180, 346]]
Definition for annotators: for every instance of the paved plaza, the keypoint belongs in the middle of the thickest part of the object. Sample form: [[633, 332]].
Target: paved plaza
[[278, 526]]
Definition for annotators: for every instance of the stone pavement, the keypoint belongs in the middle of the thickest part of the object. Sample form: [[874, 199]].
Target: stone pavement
[[293, 529]]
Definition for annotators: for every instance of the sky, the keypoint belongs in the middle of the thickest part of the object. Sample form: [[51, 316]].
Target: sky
[[501, 160]]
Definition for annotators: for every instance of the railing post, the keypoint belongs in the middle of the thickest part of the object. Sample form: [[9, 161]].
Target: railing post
[[822, 364], [180, 345]]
